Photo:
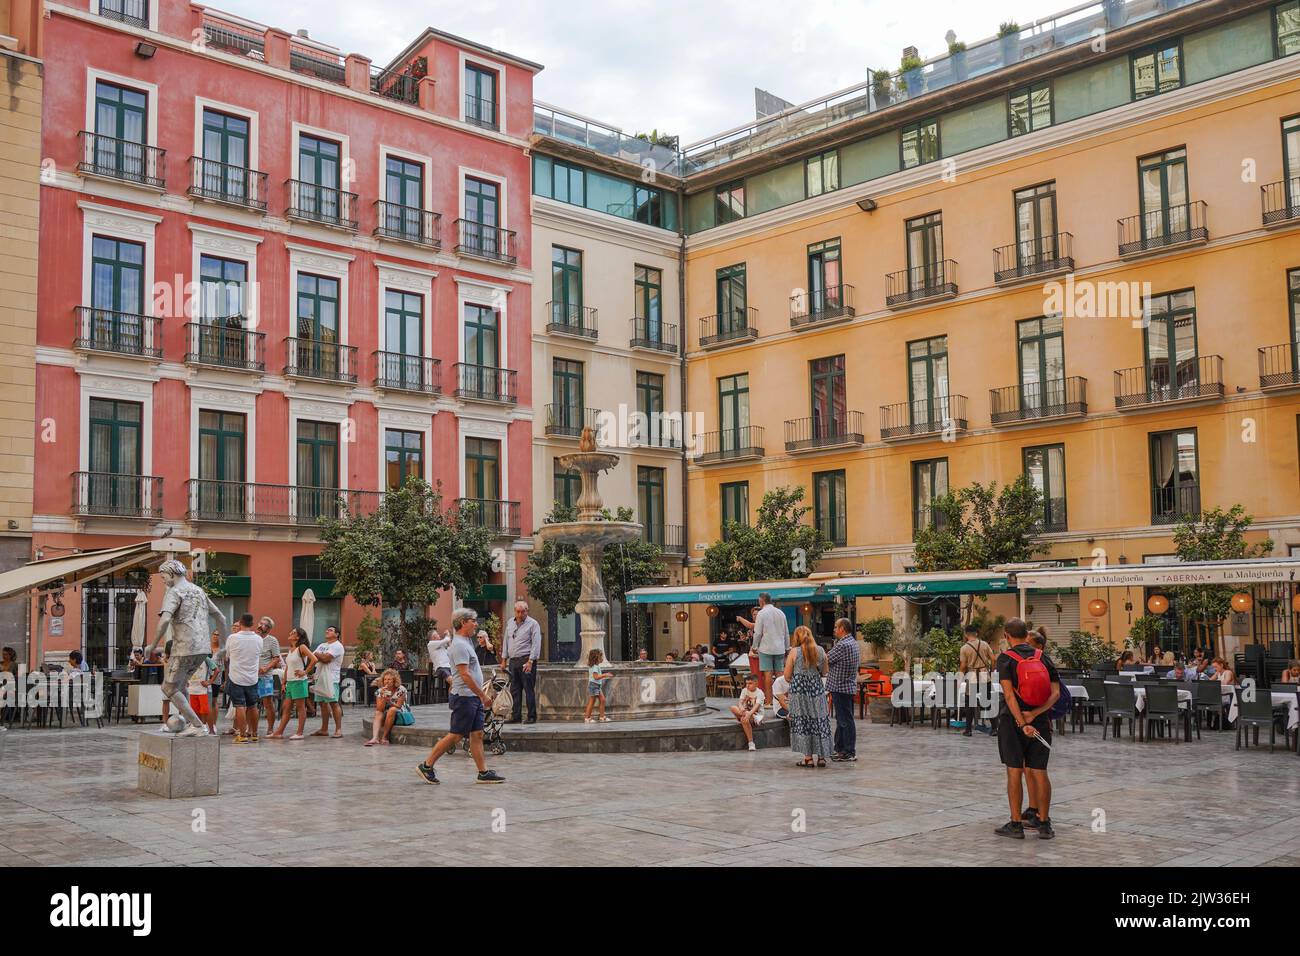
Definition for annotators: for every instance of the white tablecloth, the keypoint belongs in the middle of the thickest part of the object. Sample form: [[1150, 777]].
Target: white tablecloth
[[1184, 696], [1279, 698]]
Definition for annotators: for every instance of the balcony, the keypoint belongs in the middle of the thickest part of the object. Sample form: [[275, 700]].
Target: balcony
[[102, 495], [568, 421], [220, 35], [1165, 228], [123, 160], [481, 112], [1170, 505], [401, 86], [728, 328], [1053, 519], [399, 372], [225, 343], [486, 383], [743, 443], [331, 70], [1039, 401], [485, 242], [928, 282], [833, 530], [655, 429], [408, 224], [653, 336], [923, 418], [574, 320], [821, 306], [118, 333], [242, 502], [231, 185], [1033, 258], [320, 361], [134, 13], [1278, 367], [1191, 380], [1281, 202], [817, 433], [670, 538], [324, 205], [500, 517]]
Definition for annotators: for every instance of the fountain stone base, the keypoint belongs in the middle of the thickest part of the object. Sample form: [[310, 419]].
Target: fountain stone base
[[635, 692]]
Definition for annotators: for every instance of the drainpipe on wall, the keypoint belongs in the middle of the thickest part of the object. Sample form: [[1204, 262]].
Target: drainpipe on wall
[[681, 345]]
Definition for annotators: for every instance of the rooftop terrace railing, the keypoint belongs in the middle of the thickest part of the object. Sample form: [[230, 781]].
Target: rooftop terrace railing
[[603, 139]]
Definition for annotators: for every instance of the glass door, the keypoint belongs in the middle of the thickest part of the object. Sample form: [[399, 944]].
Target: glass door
[[1163, 183], [733, 412], [566, 287], [225, 156], [115, 457], [566, 395], [1035, 209], [825, 282], [1042, 363], [121, 131], [731, 300], [481, 212], [318, 325], [483, 478], [481, 97], [221, 465], [116, 321], [403, 198], [648, 304], [318, 175], [828, 401], [404, 340], [650, 502], [220, 332], [403, 457], [925, 253], [1291, 162], [1171, 361], [318, 470], [106, 631], [928, 381], [482, 351]]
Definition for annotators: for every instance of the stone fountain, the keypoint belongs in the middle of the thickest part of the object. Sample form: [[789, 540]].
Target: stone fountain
[[652, 689]]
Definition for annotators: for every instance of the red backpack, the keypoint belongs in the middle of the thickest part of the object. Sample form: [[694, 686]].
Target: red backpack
[[1033, 683]]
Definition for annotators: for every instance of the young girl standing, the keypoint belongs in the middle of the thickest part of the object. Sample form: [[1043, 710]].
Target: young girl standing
[[597, 676]]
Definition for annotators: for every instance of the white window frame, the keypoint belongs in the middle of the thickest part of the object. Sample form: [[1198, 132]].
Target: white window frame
[[322, 262], [399, 420], [122, 387], [499, 69], [150, 90], [118, 222], [225, 244], [498, 431], [424, 161], [215, 397], [491, 294], [346, 179], [405, 279], [321, 409], [202, 103]]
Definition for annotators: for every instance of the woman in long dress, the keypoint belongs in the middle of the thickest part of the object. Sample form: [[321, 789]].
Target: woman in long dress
[[810, 719]]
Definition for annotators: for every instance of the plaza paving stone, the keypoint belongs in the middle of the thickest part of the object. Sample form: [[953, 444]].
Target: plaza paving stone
[[916, 797]]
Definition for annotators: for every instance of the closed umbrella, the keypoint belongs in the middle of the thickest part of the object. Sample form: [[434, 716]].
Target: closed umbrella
[[139, 615], [307, 619]]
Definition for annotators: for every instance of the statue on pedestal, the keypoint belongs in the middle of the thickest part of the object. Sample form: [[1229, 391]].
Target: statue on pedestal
[[186, 614]]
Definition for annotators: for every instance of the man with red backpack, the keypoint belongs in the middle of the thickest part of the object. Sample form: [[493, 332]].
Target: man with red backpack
[[1030, 686]]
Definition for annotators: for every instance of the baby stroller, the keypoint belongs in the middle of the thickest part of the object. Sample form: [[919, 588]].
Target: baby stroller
[[498, 712]]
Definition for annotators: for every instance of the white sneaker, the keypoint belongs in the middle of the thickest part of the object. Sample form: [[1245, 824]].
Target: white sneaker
[[751, 746], [587, 720], [163, 729], [193, 732]]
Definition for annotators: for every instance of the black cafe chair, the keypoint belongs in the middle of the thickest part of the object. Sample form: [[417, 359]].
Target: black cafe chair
[[1253, 714], [1121, 704], [1162, 711]]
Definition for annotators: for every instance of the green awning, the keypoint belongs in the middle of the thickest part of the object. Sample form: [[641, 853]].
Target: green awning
[[323, 588], [490, 592], [909, 585], [726, 593]]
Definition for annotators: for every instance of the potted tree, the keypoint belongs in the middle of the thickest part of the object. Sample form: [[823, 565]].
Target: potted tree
[[910, 68], [878, 634], [882, 86], [1009, 38], [957, 55]]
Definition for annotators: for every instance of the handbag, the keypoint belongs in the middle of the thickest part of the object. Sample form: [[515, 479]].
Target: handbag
[[405, 718], [322, 685]]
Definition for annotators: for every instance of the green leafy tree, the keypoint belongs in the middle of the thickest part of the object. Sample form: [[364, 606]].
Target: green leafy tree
[[406, 553], [1084, 651], [779, 545], [1214, 535]]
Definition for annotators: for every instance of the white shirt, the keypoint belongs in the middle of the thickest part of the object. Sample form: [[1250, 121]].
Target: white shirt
[[780, 685], [243, 657], [751, 699], [771, 631], [438, 655], [336, 664]]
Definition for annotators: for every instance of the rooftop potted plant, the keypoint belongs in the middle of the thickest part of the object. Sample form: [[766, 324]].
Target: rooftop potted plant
[[882, 87], [910, 68], [1009, 38], [957, 55]]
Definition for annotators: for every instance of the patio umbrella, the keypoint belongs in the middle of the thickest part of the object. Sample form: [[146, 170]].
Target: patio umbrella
[[139, 616], [307, 619]]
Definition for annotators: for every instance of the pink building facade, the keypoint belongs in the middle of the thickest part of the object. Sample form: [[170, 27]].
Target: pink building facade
[[274, 277]]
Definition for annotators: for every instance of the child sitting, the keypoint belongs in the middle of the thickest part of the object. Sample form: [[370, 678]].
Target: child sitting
[[597, 675], [748, 710], [781, 695]]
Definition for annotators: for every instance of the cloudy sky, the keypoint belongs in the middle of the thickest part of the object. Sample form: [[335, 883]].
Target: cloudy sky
[[683, 66]]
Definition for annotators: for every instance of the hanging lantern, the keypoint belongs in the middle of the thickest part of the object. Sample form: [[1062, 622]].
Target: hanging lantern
[[1097, 607], [712, 610], [1157, 604], [681, 617], [1242, 602], [806, 609]]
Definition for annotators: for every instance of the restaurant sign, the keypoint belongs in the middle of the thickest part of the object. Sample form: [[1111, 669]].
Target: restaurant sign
[[1175, 577]]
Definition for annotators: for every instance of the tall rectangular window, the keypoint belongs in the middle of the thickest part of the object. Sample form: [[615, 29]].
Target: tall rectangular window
[[483, 472], [927, 381], [567, 395], [733, 411], [822, 173], [121, 132], [650, 502], [222, 452], [319, 178], [919, 143], [653, 429], [224, 169], [1286, 28], [566, 287], [1036, 234], [317, 351], [480, 96], [223, 285], [647, 303], [827, 391], [924, 252], [1293, 302], [830, 507], [1162, 183], [929, 482], [1040, 345], [115, 456], [1172, 369], [1157, 69], [403, 457], [825, 279], [117, 276], [1175, 476], [735, 504], [316, 494], [482, 335], [568, 485], [1045, 468], [729, 202], [1029, 108], [402, 211], [1291, 159], [733, 314]]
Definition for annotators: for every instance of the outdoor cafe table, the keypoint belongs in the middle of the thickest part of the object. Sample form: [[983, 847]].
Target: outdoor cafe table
[[1184, 696], [1280, 698]]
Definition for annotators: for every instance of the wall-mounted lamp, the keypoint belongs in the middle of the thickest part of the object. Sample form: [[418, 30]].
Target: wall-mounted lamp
[[867, 205], [145, 50]]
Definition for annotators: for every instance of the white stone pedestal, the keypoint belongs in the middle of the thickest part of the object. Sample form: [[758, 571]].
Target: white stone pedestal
[[172, 766]]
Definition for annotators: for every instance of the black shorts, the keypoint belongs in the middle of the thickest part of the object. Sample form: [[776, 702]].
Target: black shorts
[[466, 714], [1019, 751]]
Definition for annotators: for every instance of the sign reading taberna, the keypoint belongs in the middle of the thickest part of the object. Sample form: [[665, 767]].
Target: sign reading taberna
[[1183, 578]]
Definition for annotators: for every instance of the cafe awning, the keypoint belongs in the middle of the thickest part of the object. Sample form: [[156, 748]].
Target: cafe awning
[[746, 593], [71, 569], [920, 585], [1246, 571]]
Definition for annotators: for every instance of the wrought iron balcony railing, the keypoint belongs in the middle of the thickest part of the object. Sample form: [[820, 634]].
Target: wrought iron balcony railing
[[501, 517], [655, 430], [653, 334], [731, 444], [332, 71], [1162, 228], [568, 421], [810, 434], [122, 333], [233, 185], [1170, 505], [225, 343], [105, 495], [1281, 202], [122, 159], [481, 112], [326, 205], [243, 502], [1040, 256], [945, 414], [931, 280], [1053, 519], [133, 13], [834, 529], [726, 328], [322, 361], [228, 37], [485, 242], [1278, 367], [821, 305], [408, 224], [486, 383], [574, 320], [1034, 401], [670, 538], [399, 85], [1185, 381], [399, 372]]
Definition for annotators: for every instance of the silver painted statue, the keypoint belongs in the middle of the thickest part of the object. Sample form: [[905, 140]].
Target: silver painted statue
[[186, 613]]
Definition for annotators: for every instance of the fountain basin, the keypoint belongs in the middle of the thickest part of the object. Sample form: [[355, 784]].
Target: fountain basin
[[603, 533], [636, 691]]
